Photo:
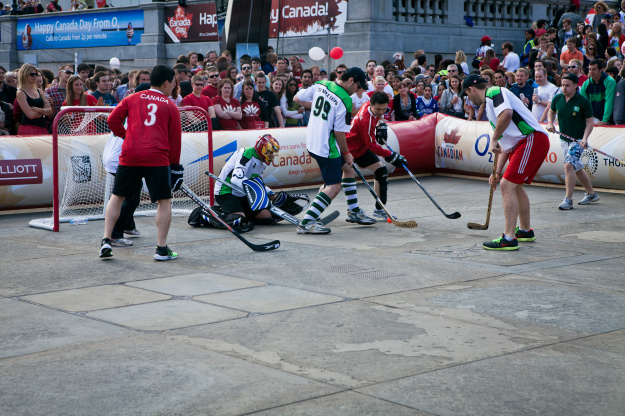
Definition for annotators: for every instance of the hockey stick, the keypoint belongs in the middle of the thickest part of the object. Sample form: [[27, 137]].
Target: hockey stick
[[452, 216], [474, 225], [589, 147], [400, 224], [256, 247], [275, 210]]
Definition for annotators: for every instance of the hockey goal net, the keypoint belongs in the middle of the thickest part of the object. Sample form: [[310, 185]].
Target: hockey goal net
[[82, 185]]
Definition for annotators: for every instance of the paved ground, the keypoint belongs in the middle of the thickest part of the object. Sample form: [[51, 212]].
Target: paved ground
[[366, 321]]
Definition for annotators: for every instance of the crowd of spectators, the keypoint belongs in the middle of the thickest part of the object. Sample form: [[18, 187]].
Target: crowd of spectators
[[253, 93]]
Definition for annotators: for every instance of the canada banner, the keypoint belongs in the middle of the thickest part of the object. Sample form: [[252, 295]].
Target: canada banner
[[307, 17], [193, 23]]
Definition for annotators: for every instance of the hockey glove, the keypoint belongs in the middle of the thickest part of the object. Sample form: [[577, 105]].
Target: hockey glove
[[396, 160], [177, 172], [381, 133]]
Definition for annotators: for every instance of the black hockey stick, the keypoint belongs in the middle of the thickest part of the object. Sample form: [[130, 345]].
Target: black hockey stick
[[275, 210], [400, 224], [256, 247], [452, 216]]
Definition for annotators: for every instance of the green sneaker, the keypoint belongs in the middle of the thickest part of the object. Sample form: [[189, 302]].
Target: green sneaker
[[524, 235], [501, 244], [164, 253]]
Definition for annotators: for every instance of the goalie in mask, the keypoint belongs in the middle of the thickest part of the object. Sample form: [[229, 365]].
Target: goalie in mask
[[244, 171]]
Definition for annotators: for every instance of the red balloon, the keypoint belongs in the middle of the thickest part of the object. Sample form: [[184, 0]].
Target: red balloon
[[336, 53]]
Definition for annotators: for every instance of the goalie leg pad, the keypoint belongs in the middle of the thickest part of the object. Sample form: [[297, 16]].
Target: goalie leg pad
[[239, 223], [280, 199], [381, 176]]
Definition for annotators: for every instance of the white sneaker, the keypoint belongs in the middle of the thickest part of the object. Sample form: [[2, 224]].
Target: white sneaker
[[588, 198], [121, 242], [313, 227], [132, 232], [566, 204], [359, 218], [105, 248], [380, 213]]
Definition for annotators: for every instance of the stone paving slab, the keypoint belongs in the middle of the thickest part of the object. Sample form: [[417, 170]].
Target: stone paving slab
[[335, 344], [268, 299], [28, 328], [601, 274], [145, 375], [94, 298], [589, 382], [512, 298], [160, 316], [195, 284], [342, 404]]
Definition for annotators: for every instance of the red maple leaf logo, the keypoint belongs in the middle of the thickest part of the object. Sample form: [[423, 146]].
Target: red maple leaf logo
[[452, 137], [180, 23]]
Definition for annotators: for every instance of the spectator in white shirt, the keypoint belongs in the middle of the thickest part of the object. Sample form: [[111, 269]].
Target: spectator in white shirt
[[511, 61], [543, 95]]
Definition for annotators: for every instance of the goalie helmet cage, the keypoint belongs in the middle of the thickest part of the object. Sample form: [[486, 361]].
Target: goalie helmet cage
[[82, 186]]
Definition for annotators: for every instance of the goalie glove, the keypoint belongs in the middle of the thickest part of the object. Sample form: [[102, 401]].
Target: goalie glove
[[396, 160], [177, 172], [381, 133]]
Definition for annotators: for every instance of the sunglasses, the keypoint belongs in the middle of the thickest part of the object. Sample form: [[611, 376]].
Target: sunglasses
[[214, 76], [340, 72], [33, 74], [198, 84], [69, 72], [591, 49], [246, 67], [292, 85], [205, 78], [573, 66]]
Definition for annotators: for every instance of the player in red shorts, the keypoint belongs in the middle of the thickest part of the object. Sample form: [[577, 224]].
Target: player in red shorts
[[521, 141], [151, 150]]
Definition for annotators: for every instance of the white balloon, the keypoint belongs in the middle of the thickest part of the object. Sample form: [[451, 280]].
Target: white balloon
[[316, 53], [114, 62]]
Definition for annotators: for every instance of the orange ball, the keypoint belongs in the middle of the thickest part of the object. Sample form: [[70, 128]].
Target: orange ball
[[389, 220]]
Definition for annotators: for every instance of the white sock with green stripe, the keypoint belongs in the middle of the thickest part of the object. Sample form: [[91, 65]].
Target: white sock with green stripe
[[321, 202], [349, 187]]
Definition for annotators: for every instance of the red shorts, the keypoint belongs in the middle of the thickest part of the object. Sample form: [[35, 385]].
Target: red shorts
[[526, 158]]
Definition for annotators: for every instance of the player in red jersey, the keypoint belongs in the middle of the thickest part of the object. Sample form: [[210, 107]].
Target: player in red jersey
[[151, 150], [362, 144]]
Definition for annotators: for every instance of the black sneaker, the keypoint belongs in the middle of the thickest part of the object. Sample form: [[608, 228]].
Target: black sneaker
[[105, 248], [501, 244], [524, 235], [164, 253]]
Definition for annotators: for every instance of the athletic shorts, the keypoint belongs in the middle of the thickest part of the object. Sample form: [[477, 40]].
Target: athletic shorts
[[230, 203], [128, 181], [331, 169], [368, 159], [526, 158], [572, 154]]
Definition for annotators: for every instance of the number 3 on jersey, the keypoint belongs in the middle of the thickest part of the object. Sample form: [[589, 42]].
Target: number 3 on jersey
[[322, 107], [151, 114]]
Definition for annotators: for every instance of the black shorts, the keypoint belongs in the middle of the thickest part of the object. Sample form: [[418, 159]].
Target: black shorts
[[368, 159], [331, 169], [128, 181], [230, 203]]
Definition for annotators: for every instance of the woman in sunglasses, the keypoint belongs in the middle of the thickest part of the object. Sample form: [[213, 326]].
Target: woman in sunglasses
[[292, 112], [32, 102]]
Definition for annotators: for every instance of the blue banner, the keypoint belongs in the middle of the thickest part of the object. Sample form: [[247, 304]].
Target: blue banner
[[85, 30]]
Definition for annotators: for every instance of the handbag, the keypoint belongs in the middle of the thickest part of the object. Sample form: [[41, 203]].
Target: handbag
[[252, 123]]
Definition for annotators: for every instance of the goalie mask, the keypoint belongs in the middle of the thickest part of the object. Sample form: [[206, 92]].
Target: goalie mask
[[267, 148]]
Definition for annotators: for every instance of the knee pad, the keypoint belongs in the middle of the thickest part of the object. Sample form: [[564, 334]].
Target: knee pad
[[381, 174]]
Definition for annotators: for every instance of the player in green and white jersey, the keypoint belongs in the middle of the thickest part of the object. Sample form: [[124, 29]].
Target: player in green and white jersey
[[331, 106], [519, 140]]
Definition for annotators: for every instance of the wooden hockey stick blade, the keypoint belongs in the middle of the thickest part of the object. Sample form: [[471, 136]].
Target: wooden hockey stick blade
[[476, 226], [400, 224], [272, 245]]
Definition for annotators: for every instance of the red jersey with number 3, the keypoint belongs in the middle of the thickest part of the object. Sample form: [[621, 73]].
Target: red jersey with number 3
[[154, 132]]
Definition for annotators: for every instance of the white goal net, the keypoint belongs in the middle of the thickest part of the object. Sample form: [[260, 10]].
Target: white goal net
[[81, 184]]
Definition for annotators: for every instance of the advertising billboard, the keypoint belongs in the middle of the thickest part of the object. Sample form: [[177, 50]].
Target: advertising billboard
[[85, 30], [307, 17], [193, 23]]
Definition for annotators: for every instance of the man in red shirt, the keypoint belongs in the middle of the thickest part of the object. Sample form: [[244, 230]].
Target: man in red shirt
[[211, 90], [151, 150], [362, 144]]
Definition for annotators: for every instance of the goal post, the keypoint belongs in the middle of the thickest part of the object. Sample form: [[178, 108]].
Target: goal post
[[82, 186]]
